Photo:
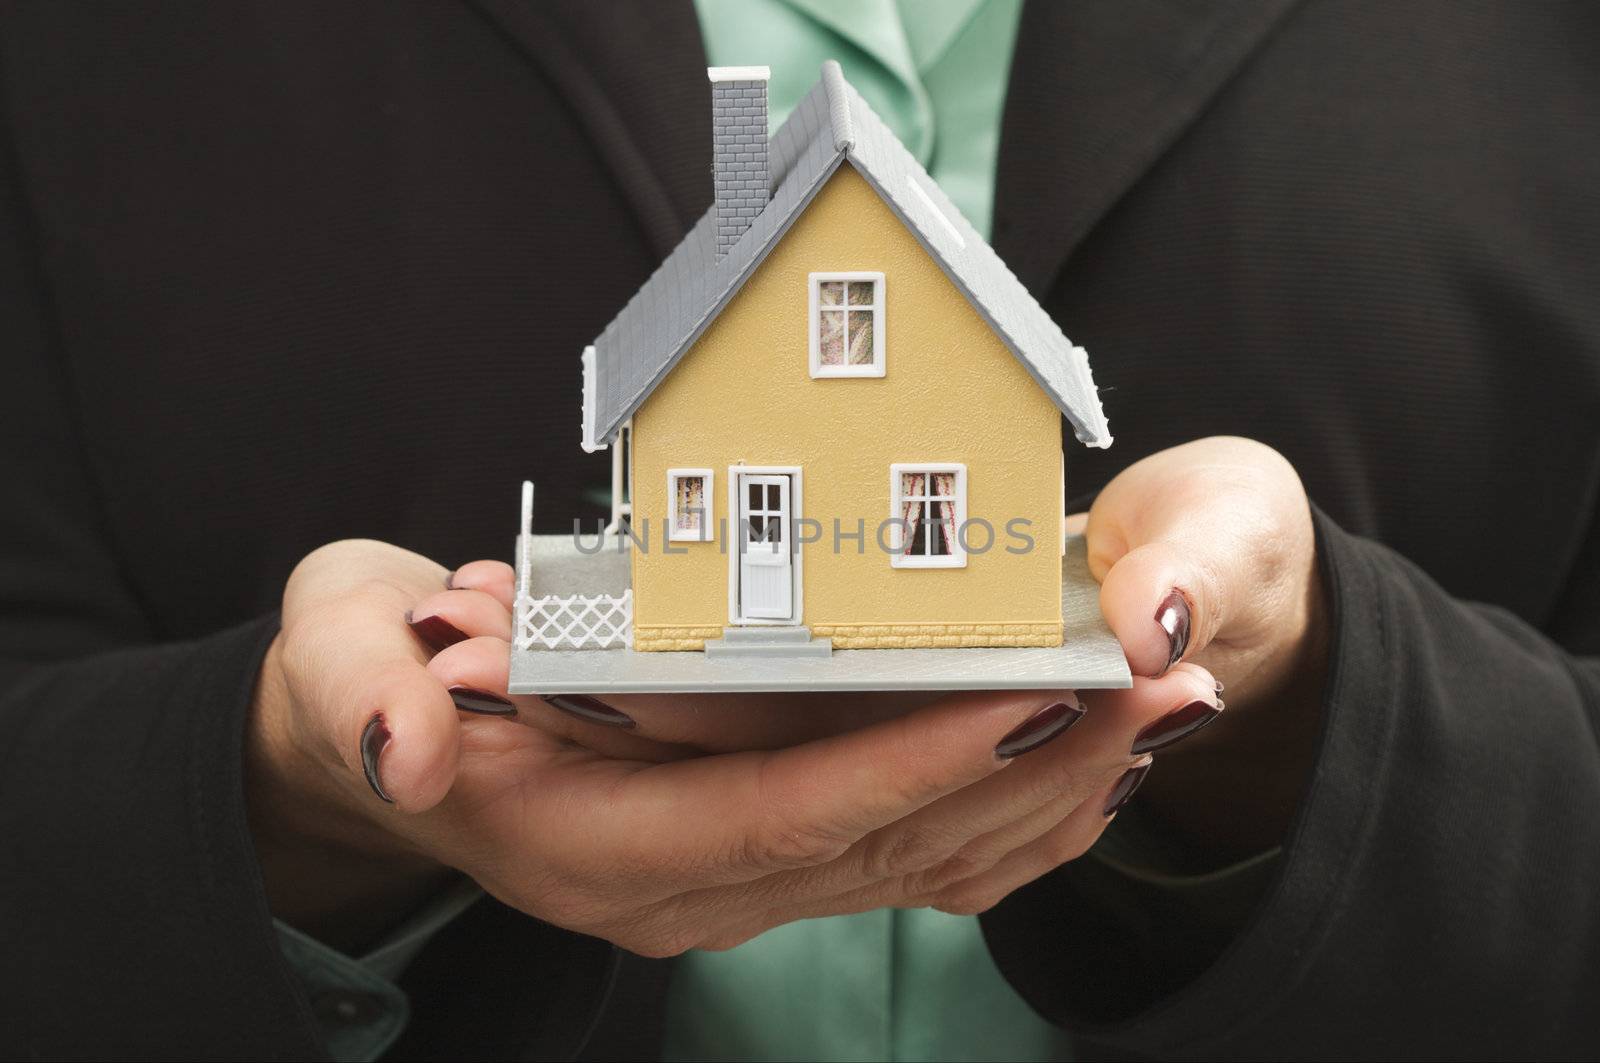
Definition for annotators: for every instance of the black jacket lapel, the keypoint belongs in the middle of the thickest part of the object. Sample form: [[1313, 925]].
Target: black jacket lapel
[[1099, 90], [636, 77]]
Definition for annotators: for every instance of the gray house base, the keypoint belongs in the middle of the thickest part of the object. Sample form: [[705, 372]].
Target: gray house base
[[1089, 658]]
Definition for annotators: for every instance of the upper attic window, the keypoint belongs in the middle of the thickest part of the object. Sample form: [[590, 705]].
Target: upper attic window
[[847, 324]]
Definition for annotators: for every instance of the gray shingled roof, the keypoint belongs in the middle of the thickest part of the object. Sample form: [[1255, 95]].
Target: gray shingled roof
[[687, 291]]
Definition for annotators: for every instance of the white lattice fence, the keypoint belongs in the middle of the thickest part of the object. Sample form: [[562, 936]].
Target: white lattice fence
[[574, 622]]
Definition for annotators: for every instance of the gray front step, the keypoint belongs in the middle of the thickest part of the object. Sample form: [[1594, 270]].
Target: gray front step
[[767, 634], [774, 641]]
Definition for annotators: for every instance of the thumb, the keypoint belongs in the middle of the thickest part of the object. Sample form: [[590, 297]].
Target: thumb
[[358, 686], [1182, 542], [408, 745]]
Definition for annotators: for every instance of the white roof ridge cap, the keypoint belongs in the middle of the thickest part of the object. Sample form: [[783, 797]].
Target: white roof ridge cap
[[838, 89]]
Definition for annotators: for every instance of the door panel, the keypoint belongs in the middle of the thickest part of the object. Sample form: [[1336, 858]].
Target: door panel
[[766, 558]]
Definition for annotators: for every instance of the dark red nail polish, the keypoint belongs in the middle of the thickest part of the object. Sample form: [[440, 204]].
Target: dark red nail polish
[[586, 708], [481, 702], [1175, 726], [374, 737], [1038, 729], [1123, 791], [1173, 619], [436, 631]]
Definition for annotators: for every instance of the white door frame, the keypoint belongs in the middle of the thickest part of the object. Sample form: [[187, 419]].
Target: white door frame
[[735, 487]]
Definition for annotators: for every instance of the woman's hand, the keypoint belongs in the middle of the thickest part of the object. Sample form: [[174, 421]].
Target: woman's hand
[[1205, 554], [376, 765]]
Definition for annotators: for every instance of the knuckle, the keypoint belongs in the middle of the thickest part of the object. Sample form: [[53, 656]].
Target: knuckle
[[654, 936], [905, 851], [970, 901], [561, 910], [727, 940], [663, 945], [949, 871], [1063, 847], [780, 838], [784, 845]]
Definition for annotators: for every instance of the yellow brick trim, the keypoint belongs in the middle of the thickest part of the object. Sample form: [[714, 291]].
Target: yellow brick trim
[[661, 637], [937, 636]]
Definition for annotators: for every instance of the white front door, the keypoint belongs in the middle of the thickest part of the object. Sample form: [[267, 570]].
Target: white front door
[[765, 533]]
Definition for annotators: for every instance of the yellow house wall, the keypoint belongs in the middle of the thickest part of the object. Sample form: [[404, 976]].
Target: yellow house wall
[[952, 393]]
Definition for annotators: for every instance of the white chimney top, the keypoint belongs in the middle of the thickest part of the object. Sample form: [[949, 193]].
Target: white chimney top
[[739, 73]]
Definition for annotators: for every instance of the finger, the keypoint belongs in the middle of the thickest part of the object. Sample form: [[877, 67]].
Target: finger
[[449, 617], [736, 817], [1153, 714], [494, 578], [1067, 840], [368, 701], [1072, 771], [476, 674]]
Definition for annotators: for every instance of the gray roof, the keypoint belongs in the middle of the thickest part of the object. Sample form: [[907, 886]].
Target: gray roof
[[832, 124]]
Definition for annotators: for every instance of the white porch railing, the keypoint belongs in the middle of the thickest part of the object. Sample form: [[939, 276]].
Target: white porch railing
[[574, 622], [556, 622]]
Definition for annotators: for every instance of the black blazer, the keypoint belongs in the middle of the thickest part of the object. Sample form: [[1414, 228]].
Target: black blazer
[[247, 251]]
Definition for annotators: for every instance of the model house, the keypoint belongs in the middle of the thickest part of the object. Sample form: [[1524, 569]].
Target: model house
[[836, 415]]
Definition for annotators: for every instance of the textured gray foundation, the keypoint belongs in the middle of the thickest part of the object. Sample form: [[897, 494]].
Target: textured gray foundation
[[1090, 657]]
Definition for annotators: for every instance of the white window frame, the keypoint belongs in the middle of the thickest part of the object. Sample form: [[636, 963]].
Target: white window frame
[[957, 558], [674, 533], [880, 345]]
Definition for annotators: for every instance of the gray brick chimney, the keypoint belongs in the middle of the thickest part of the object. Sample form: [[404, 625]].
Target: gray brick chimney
[[738, 148]]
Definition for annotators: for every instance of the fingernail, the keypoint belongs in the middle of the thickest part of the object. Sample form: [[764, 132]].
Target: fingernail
[[1123, 791], [374, 737], [1220, 687], [481, 702], [1175, 726], [1173, 618], [1038, 729], [591, 709], [436, 631], [449, 581]]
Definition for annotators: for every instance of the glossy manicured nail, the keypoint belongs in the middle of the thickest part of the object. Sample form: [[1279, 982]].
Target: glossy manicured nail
[[1038, 729], [374, 737], [1123, 791], [481, 702], [586, 708], [1175, 726], [1173, 619], [436, 631]]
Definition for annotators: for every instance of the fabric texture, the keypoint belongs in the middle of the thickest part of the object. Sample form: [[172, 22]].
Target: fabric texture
[[247, 250]]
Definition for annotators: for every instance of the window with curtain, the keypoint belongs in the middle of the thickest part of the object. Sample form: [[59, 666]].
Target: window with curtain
[[930, 507], [847, 324], [690, 493]]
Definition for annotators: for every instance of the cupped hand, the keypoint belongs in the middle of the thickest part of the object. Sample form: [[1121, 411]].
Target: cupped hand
[[1205, 553], [375, 759]]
